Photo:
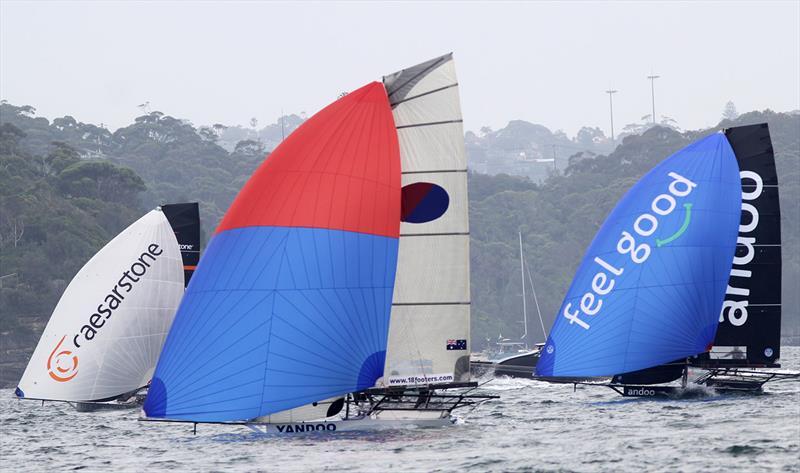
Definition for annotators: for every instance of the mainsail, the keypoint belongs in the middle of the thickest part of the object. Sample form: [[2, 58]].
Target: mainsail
[[290, 302], [185, 222], [106, 332], [430, 320], [750, 321], [652, 282]]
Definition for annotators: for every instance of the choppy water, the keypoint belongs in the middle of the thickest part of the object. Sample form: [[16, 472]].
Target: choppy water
[[533, 427]]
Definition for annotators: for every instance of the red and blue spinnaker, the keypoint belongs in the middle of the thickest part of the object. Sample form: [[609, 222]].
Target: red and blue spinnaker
[[290, 303]]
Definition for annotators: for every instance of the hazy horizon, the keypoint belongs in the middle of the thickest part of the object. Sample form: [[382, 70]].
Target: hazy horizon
[[548, 63]]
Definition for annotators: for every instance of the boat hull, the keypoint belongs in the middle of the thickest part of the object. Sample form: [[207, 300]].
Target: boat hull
[[106, 406], [516, 366], [351, 425]]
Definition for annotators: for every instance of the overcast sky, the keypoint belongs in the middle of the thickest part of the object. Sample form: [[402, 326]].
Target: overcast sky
[[545, 62]]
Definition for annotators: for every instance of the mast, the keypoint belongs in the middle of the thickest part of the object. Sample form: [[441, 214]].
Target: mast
[[524, 302], [536, 301]]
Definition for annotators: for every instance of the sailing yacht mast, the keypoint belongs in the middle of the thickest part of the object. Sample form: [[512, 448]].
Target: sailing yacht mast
[[524, 302], [536, 301]]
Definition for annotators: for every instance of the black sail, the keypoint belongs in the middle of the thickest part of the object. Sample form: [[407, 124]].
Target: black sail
[[750, 321], [185, 222]]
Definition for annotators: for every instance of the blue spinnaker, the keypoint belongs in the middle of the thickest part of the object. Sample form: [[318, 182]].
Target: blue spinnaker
[[650, 287], [300, 317]]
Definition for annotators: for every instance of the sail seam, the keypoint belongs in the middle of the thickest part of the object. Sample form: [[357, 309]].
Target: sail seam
[[433, 172], [424, 94], [429, 303], [444, 122], [434, 234]]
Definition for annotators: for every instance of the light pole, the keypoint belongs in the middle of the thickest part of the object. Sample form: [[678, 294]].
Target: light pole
[[610, 93], [653, 94]]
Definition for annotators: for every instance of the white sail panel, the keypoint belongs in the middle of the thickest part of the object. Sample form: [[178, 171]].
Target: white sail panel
[[423, 277], [441, 106], [419, 354], [428, 148], [106, 332], [429, 324]]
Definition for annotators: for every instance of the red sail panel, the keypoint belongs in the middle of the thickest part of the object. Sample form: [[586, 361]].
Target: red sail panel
[[340, 170]]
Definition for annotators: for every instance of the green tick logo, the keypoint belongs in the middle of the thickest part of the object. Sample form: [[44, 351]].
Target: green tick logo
[[686, 219]]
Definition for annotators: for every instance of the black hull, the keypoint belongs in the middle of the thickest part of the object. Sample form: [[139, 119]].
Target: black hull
[[517, 366], [721, 380], [673, 392], [520, 366], [106, 406]]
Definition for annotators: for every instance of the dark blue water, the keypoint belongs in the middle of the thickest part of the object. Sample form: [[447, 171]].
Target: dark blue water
[[533, 427]]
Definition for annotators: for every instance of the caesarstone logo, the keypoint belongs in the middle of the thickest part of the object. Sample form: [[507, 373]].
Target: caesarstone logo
[[62, 365], [637, 245]]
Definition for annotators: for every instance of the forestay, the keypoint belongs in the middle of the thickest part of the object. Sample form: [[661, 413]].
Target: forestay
[[429, 328], [105, 334], [650, 287]]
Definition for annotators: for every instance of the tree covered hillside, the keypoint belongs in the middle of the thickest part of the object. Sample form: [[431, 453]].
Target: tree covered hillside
[[56, 210], [177, 161], [559, 218], [67, 187]]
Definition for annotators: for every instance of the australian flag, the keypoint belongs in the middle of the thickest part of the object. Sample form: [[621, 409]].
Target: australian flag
[[456, 344]]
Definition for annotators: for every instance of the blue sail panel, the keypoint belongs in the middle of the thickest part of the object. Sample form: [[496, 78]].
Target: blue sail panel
[[650, 287], [276, 318]]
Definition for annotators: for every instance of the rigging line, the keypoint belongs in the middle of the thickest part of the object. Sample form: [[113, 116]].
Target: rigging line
[[443, 122], [536, 301]]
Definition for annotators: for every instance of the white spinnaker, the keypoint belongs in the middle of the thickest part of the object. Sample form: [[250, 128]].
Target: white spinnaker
[[123, 353], [431, 301]]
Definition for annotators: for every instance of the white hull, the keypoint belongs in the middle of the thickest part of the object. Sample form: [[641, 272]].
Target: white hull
[[351, 425]]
